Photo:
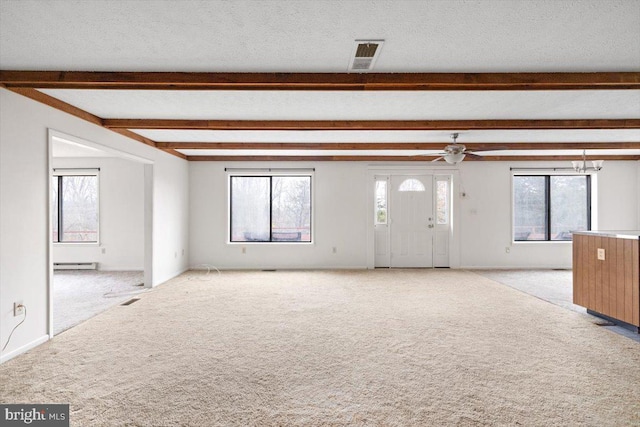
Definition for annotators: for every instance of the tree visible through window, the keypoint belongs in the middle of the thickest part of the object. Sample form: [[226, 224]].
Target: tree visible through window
[[381, 202], [75, 208], [550, 207], [270, 208]]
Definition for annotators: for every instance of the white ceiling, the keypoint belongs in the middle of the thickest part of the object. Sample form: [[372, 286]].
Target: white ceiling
[[344, 105], [500, 136], [318, 36]]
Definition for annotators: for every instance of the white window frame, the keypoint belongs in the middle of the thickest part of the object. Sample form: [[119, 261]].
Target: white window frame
[[556, 172], [78, 172], [272, 172]]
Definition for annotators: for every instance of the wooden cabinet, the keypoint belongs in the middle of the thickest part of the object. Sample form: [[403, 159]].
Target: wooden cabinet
[[606, 274]]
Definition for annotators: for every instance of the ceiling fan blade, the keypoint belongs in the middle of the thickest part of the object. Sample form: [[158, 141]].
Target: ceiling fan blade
[[439, 158], [496, 148], [428, 154], [475, 156]]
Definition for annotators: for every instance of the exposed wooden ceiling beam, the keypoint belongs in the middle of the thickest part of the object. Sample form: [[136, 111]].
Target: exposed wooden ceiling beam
[[398, 158], [56, 103], [371, 124], [135, 136], [174, 153], [319, 81], [395, 145], [84, 115]]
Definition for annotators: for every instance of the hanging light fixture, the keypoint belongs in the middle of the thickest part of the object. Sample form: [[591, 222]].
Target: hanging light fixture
[[580, 166], [455, 153]]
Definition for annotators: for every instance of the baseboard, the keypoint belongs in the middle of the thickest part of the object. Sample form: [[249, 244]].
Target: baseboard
[[24, 348], [200, 267], [117, 268], [171, 276], [514, 267]]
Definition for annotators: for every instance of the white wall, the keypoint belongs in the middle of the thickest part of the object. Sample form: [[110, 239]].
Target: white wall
[[618, 196], [24, 239], [339, 205], [121, 204], [341, 212], [486, 214]]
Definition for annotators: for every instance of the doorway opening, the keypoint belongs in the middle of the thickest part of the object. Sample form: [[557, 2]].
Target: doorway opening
[[100, 224]]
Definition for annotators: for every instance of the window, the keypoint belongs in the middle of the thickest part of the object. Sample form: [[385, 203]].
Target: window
[[550, 207], [381, 202], [411, 184], [442, 201], [270, 208], [75, 208]]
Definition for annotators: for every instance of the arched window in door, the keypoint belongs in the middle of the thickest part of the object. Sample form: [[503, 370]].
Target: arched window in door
[[411, 184]]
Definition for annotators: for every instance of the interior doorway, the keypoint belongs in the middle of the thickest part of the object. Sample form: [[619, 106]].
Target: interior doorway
[[100, 221], [412, 220]]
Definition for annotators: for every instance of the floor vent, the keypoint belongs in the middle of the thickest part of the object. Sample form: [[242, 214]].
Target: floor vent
[[131, 301], [365, 55], [75, 265], [604, 323]]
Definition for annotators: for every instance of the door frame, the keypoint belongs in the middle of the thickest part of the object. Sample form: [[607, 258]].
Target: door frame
[[148, 210], [454, 232]]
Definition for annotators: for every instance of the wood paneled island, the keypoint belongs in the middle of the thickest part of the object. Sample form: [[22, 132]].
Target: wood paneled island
[[606, 274]]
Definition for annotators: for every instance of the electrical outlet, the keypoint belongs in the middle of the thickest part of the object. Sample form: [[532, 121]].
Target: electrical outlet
[[244, 250], [104, 250], [18, 309], [334, 250]]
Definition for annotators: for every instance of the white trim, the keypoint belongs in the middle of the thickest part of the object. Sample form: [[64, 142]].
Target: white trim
[[271, 172], [551, 172], [64, 137], [78, 172], [511, 267], [75, 171], [18, 351], [455, 245], [49, 258]]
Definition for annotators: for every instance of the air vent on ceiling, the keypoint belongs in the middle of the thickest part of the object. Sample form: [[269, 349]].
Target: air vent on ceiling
[[364, 55]]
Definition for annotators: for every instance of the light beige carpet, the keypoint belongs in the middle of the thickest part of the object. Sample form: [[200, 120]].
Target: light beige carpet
[[375, 348]]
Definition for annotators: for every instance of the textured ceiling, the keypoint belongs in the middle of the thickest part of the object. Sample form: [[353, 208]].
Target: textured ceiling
[[343, 105], [499, 136], [318, 36]]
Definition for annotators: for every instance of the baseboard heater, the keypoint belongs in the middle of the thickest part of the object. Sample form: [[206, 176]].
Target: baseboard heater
[[75, 265]]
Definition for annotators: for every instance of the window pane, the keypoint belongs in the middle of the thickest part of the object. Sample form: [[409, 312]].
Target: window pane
[[79, 209], [249, 209], [411, 184], [529, 208], [442, 202], [381, 202], [291, 197], [568, 206], [54, 208]]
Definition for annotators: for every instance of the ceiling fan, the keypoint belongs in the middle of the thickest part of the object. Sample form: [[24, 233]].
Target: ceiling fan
[[455, 153]]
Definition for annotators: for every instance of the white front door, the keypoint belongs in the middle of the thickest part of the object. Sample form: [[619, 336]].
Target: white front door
[[412, 221]]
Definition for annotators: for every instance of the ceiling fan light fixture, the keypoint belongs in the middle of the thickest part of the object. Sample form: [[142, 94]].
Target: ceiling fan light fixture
[[454, 158]]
